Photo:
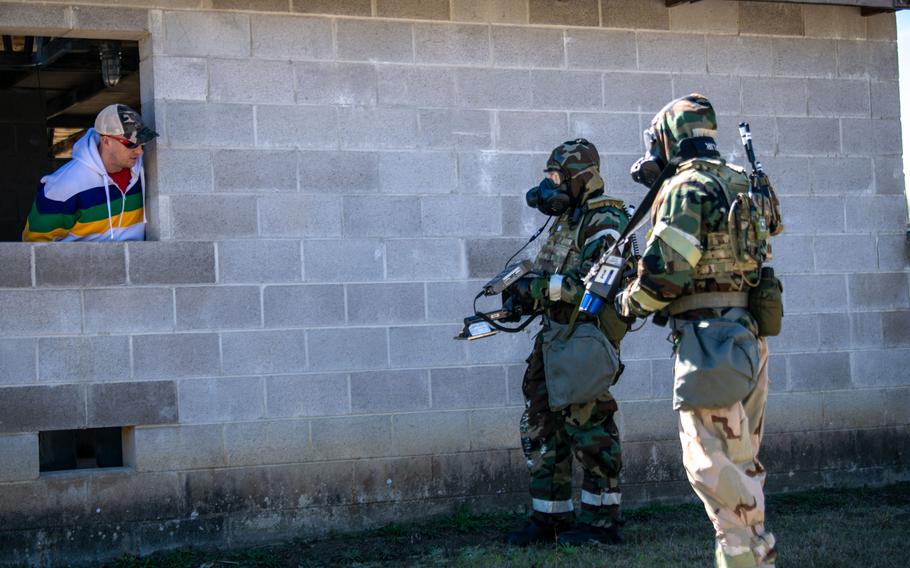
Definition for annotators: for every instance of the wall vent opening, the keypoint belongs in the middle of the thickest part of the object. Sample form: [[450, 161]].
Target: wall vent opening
[[88, 448]]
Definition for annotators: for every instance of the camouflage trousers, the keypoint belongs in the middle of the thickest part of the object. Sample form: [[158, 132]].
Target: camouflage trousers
[[550, 439], [720, 453]]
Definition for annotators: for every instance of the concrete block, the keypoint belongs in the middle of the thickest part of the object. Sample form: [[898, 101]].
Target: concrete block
[[17, 262], [849, 176], [183, 171], [662, 377], [764, 139], [386, 216], [893, 252], [873, 59], [879, 367], [385, 303], [251, 81], [584, 13], [498, 173], [816, 214], [487, 257], [396, 479], [280, 37], [83, 359], [793, 412], [209, 124], [356, 172], [425, 259], [838, 97], [879, 213], [415, 86], [881, 27], [82, 264], [582, 90], [774, 96], [293, 127], [30, 409], [24, 18], [258, 260], [740, 55], [452, 44], [648, 420], [468, 387], [307, 395], [260, 5], [376, 392], [300, 216], [529, 131], [709, 16], [303, 305], [815, 293], [128, 309], [430, 432], [885, 99], [354, 437], [112, 21], [213, 216], [819, 371], [778, 375], [364, 260], [506, 348], [799, 333], [809, 136], [21, 453], [845, 253], [227, 399], [180, 355], [274, 442], [467, 215], [651, 462], [858, 408], [790, 174], [493, 11], [879, 291], [181, 78], [263, 352], [426, 346], [129, 404], [493, 88], [648, 342], [207, 34], [644, 14], [896, 401], [377, 128], [171, 263], [895, 331], [335, 83], [527, 47], [866, 329], [637, 92], [218, 307], [370, 40], [621, 131], [451, 301], [17, 361], [514, 379], [834, 22], [349, 348], [413, 9], [804, 57], [600, 49], [254, 171], [40, 312], [793, 254], [871, 137], [634, 383], [166, 448], [723, 92], [771, 19], [340, 7], [495, 429], [679, 53], [455, 128]]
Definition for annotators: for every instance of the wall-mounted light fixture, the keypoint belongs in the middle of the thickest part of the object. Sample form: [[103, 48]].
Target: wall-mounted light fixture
[[110, 63]]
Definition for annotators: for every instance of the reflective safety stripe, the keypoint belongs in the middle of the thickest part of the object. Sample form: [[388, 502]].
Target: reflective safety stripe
[[603, 499], [554, 290], [685, 244], [552, 506]]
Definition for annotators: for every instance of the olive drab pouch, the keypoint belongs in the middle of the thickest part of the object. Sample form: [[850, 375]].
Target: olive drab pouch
[[612, 325], [579, 364], [716, 363], [766, 303]]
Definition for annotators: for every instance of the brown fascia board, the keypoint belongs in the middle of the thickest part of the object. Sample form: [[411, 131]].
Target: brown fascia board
[[866, 5]]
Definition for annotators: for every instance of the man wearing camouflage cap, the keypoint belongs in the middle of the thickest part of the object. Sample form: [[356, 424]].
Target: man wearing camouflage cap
[[585, 221], [691, 273]]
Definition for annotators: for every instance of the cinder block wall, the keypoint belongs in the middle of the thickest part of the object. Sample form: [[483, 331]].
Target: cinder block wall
[[333, 182]]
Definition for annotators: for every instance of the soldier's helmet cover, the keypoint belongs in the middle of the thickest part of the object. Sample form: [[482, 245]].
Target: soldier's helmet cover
[[579, 163], [691, 116]]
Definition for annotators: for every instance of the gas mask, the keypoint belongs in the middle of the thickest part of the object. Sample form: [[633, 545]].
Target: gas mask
[[647, 169], [548, 198]]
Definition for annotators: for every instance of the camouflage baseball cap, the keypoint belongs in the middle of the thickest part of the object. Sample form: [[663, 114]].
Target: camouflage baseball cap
[[121, 120], [580, 161], [686, 117]]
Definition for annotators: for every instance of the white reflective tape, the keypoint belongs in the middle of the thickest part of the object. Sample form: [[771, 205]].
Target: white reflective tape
[[555, 288], [601, 499], [604, 233], [551, 507]]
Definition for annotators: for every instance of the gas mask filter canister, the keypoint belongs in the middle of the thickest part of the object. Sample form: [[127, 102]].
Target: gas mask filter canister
[[549, 198]]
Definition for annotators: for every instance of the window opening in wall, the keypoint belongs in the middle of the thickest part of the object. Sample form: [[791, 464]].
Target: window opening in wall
[[903, 74], [51, 89], [89, 448]]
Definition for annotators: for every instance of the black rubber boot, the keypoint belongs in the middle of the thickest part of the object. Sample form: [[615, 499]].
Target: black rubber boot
[[534, 532], [583, 533]]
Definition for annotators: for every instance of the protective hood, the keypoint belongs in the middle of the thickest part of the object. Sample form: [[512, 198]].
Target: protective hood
[[691, 116]]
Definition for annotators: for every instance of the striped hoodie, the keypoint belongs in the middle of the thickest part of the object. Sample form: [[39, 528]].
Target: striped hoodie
[[80, 202]]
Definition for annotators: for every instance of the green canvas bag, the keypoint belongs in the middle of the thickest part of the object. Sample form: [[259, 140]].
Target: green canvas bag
[[716, 363], [579, 364]]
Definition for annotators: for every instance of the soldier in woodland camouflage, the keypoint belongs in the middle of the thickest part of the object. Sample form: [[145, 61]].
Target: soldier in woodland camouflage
[[587, 431], [689, 256]]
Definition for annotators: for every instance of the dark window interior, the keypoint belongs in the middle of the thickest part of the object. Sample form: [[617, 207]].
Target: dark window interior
[[50, 91], [88, 448]]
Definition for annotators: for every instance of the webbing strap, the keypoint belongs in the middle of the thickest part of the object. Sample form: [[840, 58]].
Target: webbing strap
[[708, 300]]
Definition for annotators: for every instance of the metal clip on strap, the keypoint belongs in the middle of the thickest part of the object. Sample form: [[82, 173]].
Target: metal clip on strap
[[708, 300]]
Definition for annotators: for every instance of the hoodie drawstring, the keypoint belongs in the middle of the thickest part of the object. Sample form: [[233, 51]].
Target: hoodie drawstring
[[142, 181], [107, 196]]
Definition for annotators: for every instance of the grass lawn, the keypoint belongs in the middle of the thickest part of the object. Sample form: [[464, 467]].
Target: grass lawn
[[830, 528]]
